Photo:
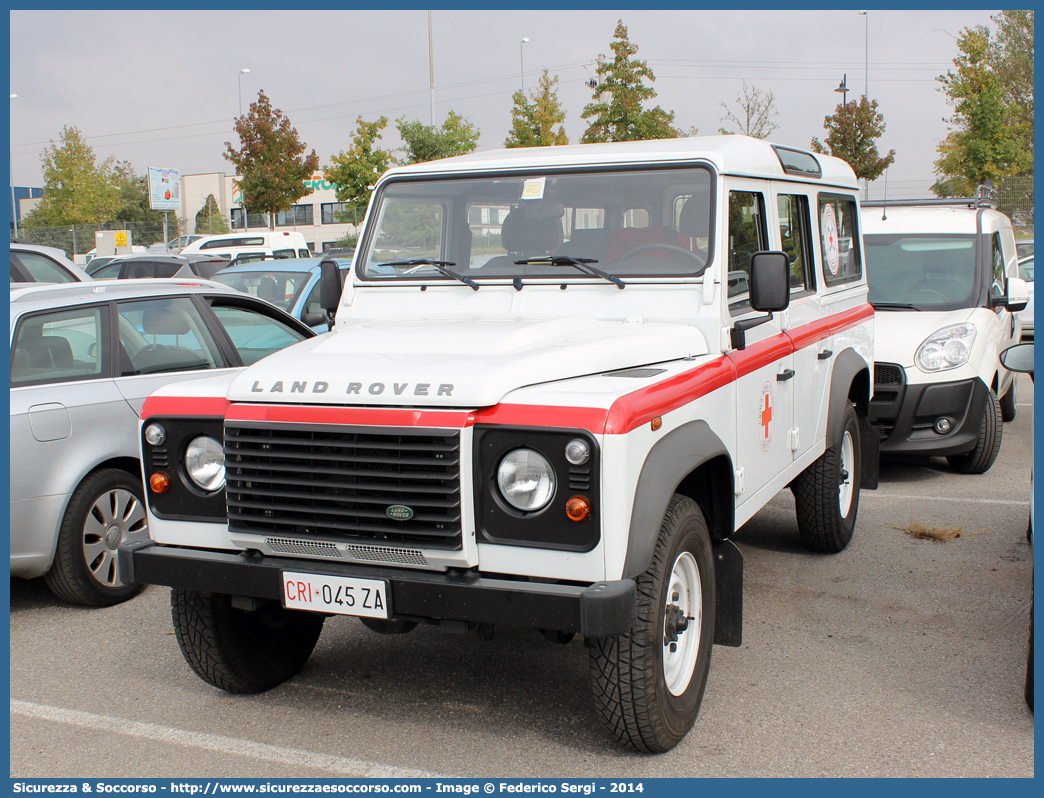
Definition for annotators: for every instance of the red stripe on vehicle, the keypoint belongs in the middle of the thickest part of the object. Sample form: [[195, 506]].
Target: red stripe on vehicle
[[368, 416], [589, 418], [212, 406]]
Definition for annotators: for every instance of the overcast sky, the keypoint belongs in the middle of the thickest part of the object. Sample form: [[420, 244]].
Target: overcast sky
[[160, 88]]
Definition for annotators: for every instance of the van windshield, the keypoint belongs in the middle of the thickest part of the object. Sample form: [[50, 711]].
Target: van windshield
[[280, 288], [629, 222], [927, 272]]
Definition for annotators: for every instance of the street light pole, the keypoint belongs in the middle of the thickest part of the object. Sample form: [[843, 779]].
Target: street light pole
[[240, 79], [522, 64], [866, 58], [842, 89], [431, 69], [14, 206]]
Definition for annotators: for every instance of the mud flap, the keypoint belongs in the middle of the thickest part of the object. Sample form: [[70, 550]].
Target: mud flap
[[870, 459], [728, 578]]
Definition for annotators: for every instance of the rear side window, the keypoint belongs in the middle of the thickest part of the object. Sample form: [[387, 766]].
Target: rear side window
[[838, 237], [255, 335], [61, 346], [796, 240], [42, 268]]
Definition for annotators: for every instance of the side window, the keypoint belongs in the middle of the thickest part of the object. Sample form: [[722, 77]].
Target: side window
[[43, 269], [303, 253], [255, 335], [794, 236], [746, 236], [168, 334], [839, 238], [998, 284], [61, 346], [109, 272], [285, 253], [312, 303]]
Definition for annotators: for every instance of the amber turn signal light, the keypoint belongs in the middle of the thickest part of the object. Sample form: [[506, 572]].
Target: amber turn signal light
[[656, 423], [577, 508], [159, 482]]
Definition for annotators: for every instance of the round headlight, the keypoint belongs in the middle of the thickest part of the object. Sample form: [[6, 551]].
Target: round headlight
[[205, 463], [155, 434], [526, 480], [577, 451]]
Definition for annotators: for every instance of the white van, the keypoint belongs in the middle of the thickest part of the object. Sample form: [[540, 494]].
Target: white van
[[280, 243]]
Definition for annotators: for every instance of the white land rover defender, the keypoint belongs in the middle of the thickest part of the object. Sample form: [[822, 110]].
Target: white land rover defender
[[548, 401], [944, 282]]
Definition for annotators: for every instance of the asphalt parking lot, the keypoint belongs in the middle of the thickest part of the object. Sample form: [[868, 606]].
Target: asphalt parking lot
[[897, 657]]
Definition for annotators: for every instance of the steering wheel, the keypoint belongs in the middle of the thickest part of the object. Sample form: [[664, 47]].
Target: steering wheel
[[930, 292], [695, 256]]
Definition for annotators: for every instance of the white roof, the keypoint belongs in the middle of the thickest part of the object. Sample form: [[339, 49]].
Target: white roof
[[924, 219], [731, 155]]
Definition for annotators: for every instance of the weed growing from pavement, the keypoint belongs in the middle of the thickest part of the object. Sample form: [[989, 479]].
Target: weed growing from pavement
[[936, 534]]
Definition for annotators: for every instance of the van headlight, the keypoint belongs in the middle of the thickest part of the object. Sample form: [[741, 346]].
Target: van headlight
[[945, 349], [526, 480], [205, 463]]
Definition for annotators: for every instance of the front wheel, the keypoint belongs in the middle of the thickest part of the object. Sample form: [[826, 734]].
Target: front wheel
[[1007, 404], [649, 683], [238, 651], [987, 446], [826, 493]]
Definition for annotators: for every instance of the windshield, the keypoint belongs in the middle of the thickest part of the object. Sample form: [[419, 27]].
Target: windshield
[[629, 223], [928, 272], [280, 288]]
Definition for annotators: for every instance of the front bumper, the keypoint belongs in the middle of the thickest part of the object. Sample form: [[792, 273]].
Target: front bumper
[[904, 414], [604, 609]]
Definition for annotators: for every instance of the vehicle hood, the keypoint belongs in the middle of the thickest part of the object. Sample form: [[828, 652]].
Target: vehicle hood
[[455, 361], [899, 333]]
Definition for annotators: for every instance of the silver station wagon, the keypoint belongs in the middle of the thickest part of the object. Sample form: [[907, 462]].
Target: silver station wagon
[[84, 357]]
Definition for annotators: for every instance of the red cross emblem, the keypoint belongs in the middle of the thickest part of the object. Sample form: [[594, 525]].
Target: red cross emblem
[[766, 416]]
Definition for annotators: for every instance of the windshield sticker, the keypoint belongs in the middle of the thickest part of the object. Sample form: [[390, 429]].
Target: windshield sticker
[[533, 189], [831, 246]]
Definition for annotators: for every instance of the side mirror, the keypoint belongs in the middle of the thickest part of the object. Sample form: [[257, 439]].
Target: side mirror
[[315, 319], [1018, 358], [769, 281], [1018, 295], [330, 287]]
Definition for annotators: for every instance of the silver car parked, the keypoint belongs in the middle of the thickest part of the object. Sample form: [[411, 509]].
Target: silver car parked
[[84, 357]]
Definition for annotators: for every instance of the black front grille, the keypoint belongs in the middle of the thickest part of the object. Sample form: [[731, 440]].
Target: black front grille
[[338, 483], [888, 374]]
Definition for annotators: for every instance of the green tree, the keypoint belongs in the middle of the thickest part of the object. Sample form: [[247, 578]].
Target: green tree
[[852, 133], [423, 142], [532, 123], [756, 110], [210, 220], [356, 170], [991, 130], [270, 161], [76, 189], [620, 115]]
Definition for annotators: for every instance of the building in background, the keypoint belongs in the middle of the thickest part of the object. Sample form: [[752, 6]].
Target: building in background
[[25, 200], [316, 216]]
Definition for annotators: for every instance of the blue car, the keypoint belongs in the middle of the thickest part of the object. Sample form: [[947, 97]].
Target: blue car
[[290, 283]]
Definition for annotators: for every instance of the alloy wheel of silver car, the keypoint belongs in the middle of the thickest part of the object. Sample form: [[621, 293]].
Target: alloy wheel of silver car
[[116, 515]]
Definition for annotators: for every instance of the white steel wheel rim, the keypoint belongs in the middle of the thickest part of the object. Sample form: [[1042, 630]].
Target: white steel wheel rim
[[116, 516], [845, 488], [679, 665]]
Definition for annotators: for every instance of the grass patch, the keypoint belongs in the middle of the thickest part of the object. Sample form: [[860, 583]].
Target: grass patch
[[936, 534]]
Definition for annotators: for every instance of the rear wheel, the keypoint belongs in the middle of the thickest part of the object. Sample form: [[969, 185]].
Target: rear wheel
[[987, 447], [649, 683], [238, 651], [826, 493]]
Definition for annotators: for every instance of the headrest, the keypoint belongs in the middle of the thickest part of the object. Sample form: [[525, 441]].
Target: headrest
[[694, 219], [165, 321], [522, 233], [542, 209]]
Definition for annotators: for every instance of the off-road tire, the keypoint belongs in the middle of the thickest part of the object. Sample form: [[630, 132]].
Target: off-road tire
[[820, 490], [987, 447], [238, 651], [106, 509], [1007, 404], [628, 676]]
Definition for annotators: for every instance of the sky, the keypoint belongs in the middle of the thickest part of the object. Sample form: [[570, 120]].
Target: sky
[[161, 88]]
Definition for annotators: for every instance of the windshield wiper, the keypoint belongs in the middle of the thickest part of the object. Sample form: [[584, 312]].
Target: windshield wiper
[[583, 264], [440, 265], [894, 306]]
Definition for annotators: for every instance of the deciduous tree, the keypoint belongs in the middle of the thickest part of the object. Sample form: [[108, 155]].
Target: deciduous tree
[[617, 113], [76, 189], [852, 133], [270, 161], [456, 136], [355, 170], [754, 114], [532, 123]]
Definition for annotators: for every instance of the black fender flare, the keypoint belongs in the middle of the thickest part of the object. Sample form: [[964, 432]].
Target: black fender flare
[[680, 452], [846, 371]]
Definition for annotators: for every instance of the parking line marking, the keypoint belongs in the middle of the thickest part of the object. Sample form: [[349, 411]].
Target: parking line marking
[[216, 742], [954, 499]]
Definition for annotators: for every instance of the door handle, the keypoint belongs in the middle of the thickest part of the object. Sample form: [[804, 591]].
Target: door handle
[[826, 354], [785, 375]]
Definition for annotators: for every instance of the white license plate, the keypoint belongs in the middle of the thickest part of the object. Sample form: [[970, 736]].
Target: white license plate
[[367, 598]]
